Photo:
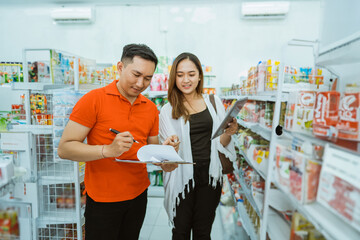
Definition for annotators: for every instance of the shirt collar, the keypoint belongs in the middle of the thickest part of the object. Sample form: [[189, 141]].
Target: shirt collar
[[113, 90]]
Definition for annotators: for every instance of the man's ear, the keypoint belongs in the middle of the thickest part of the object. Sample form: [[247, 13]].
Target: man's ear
[[120, 66]]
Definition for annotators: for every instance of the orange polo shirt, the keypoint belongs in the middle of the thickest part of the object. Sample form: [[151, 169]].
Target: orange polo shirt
[[104, 108]]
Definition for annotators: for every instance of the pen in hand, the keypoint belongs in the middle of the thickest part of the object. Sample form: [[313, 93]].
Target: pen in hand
[[116, 132]]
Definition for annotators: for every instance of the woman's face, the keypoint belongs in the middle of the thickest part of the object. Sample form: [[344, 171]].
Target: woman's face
[[187, 77]]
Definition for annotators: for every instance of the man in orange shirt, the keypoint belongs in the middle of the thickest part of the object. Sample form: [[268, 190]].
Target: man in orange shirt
[[116, 192]]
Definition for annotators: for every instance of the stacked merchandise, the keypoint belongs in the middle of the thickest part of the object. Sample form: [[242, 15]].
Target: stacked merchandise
[[41, 108], [329, 114], [302, 229], [303, 78], [339, 189], [17, 114], [260, 112], [265, 76], [86, 69], [62, 68], [9, 223], [298, 166], [104, 75], [11, 72], [230, 197], [156, 178], [254, 149], [159, 82]]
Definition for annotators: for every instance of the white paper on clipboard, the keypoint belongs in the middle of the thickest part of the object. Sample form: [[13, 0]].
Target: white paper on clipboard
[[154, 153], [232, 113]]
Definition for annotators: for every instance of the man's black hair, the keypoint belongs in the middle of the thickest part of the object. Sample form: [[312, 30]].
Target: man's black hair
[[140, 50]]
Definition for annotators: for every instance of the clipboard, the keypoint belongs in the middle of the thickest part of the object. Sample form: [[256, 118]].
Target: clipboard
[[155, 153], [152, 162], [232, 113]]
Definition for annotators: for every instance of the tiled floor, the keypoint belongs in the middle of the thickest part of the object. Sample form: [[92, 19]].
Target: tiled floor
[[156, 225]]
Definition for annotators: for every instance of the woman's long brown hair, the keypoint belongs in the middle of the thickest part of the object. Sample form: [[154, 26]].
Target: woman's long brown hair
[[175, 96]]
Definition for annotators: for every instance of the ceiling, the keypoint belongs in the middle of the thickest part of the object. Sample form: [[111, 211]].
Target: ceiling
[[120, 2]]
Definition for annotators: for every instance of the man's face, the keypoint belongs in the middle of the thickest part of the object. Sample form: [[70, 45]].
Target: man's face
[[135, 76]]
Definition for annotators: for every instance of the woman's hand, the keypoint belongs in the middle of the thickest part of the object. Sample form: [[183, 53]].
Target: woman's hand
[[232, 127], [173, 141], [167, 167]]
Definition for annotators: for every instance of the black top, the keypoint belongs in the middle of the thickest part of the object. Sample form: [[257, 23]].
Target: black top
[[200, 133]]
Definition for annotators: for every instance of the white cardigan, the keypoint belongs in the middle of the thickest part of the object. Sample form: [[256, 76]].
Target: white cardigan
[[177, 181]]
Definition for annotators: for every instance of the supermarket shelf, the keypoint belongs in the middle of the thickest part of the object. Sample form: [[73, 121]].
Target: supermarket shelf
[[290, 87], [344, 51], [315, 140], [248, 226], [277, 228], [230, 97], [49, 180], [153, 94], [156, 191], [249, 195], [35, 129], [232, 192], [265, 96], [326, 222], [89, 86], [36, 86], [269, 96], [256, 128], [55, 175], [64, 217], [260, 172]]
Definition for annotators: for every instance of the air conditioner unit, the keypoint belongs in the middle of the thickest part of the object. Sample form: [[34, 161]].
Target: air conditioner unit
[[73, 15], [262, 10]]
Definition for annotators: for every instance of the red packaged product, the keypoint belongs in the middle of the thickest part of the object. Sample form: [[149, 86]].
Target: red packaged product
[[349, 116], [326, 114]]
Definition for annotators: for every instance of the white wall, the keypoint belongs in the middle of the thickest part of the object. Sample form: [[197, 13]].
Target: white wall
[[215, 32]]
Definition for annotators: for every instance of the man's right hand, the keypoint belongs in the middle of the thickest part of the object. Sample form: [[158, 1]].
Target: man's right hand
[[121, 143]]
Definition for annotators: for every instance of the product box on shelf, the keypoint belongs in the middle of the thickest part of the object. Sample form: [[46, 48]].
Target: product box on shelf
[[261, 76], [349, 114], [269, 114], [339, 186], [326, 114], [297, 173], [272, 75], [250, 113], [300, 111], [301, 228], [9, 224], [11, 72], [159, 82]]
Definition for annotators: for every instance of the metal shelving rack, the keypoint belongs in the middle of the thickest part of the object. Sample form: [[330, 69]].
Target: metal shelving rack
[[56, 188], [325, 221]]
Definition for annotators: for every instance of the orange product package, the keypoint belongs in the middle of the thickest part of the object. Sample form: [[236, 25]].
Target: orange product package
[[349, 112], [326, 113]]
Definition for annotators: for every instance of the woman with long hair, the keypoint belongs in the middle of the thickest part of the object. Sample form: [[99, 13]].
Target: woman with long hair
[[192, 192]]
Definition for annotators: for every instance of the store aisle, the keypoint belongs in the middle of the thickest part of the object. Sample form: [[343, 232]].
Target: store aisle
[[156, 225]]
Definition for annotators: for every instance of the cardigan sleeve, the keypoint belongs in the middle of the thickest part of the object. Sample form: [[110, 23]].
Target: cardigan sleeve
[[229, 150], [165, 126]]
